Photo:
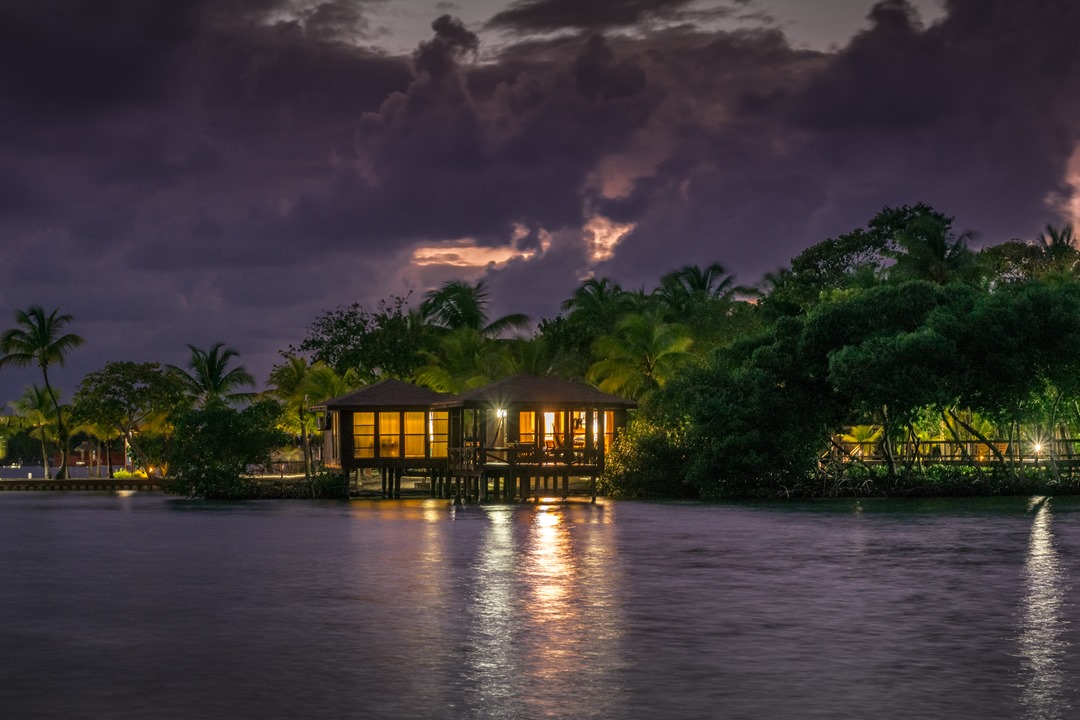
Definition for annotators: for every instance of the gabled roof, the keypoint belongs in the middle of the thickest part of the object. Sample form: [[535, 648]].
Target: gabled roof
[[387, 393], [537, 389]]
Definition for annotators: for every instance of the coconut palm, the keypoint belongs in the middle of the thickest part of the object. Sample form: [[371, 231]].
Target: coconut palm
[[930, 250], [458, 305], [1059, 252], [693, 283], [324, 384], [290, 383], [464, 360], [103, 435], [39, 339], [597, 302], [36, 411], [210, 381], [640, 356]]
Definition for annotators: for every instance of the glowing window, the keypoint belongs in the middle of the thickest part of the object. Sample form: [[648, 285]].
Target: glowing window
[[414, 434], [527, 428], [389, 434], [364, 434], [438, 431]]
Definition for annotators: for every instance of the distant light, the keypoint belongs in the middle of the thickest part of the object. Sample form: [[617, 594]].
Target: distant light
[[1038, 448], [501, 413]]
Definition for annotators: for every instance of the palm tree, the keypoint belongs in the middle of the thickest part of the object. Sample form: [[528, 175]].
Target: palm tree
[[457, 305], [290, 384], [694, 282], [103, 434], [465, 359], [1059, 252], [324, 384], [35, 411], [930, 250], [597, 302], [39, 339], [209, 381], [640, 356], [863, 439]]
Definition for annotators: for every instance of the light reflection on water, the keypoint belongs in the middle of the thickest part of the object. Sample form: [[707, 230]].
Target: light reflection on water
[[148, 607], [1042, 646]]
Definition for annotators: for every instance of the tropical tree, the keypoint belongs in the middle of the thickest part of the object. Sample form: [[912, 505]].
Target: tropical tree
[[639, 356], [36, 412], [290, 384], [457, 305], [103, 435], [374, 344], [928, 249], [692, 285], [466, 359], [214, 446], [324, 384], [39, 339], [211, 381], [1059, 253], [598, 302], [128, 398]]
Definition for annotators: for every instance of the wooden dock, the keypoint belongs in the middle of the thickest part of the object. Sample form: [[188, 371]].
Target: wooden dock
[[79, 484]]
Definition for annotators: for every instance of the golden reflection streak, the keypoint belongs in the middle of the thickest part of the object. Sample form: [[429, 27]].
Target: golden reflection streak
[[571, 607], [548, 565], [491, 661], [1041, 626]]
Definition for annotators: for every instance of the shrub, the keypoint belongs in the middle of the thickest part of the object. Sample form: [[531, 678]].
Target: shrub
[[646, 461], [212, 448]]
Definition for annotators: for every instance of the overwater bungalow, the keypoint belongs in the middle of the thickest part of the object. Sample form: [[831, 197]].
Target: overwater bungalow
[[390, 427], [513, 439], [523, 436]]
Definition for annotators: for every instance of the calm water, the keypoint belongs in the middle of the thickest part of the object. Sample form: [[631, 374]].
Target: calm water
[[151, 607]]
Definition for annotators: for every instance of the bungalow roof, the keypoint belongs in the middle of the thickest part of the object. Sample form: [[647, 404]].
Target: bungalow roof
[[387, 393], [526, 388]]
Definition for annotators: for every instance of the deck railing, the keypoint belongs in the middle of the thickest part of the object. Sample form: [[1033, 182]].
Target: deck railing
[[951, 451], [474, 457]]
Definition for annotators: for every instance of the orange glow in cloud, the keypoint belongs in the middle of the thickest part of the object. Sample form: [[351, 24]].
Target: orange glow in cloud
[[603, 235], [465, 253]]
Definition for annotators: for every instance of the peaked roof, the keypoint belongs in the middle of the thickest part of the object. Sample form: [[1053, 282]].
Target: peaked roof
[[527, 388], [387, 393]]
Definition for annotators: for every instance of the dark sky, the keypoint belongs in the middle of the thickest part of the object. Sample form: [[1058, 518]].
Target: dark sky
[[194, 171]]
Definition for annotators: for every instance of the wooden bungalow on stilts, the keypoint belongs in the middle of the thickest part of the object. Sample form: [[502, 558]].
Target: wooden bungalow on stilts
[[524, 436], [390, 427]]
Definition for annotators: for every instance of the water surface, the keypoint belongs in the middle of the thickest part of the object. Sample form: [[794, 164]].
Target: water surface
[[144, 606]]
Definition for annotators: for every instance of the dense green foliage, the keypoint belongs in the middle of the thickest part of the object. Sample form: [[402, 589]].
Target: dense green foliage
[[214, 447], [851, 371], [130, 400]]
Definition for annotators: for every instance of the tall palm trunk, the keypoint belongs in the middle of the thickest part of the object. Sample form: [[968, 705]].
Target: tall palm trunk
[[61, 431], [44, 456]]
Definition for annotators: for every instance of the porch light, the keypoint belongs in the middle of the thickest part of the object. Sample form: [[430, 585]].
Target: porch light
[[501, 413]]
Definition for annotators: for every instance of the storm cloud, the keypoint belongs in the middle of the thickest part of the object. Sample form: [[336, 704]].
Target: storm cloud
[[189, 172]]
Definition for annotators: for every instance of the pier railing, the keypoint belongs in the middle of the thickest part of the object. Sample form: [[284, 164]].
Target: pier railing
[[475, 457], [973, 452]]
